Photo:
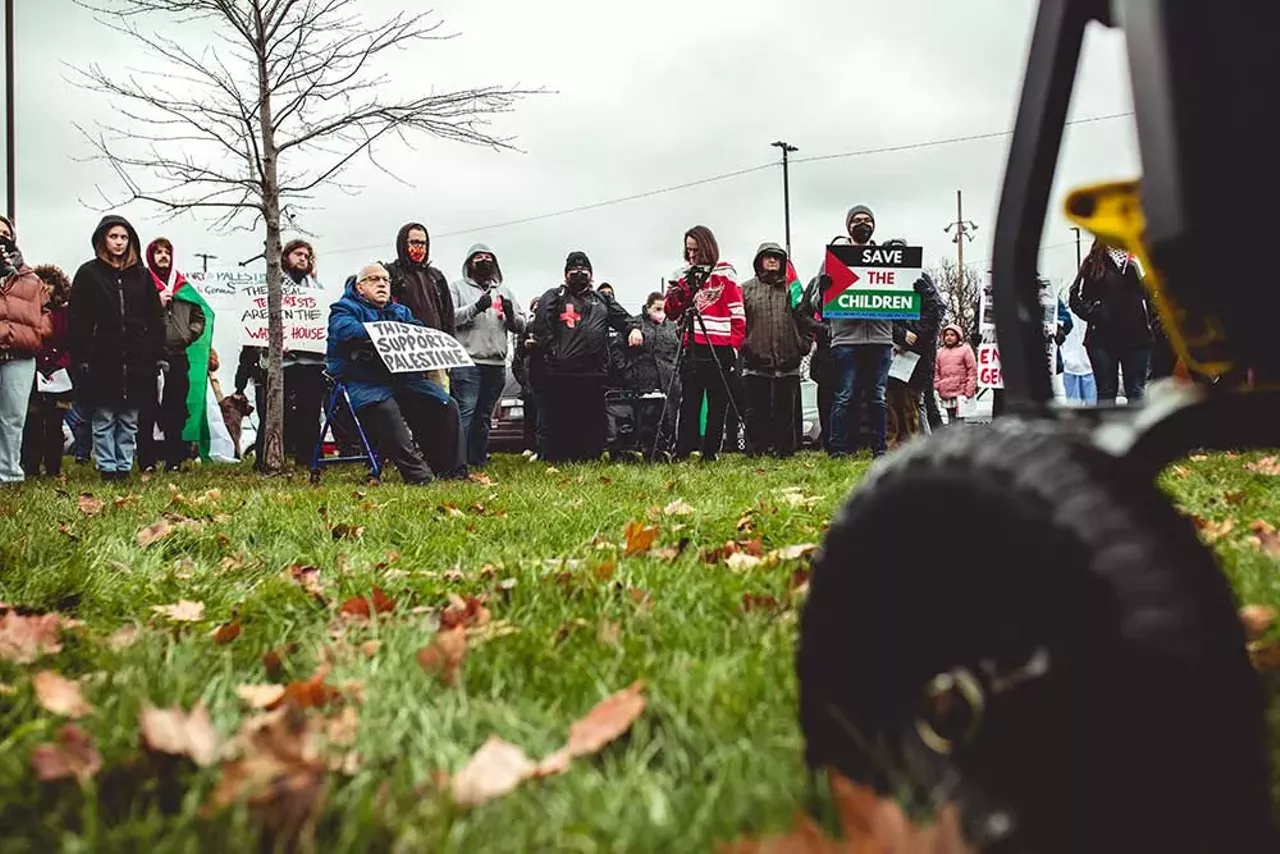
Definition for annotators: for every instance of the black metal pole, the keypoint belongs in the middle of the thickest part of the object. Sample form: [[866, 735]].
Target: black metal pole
[[10, 132], [786, 188], [1079, 260]]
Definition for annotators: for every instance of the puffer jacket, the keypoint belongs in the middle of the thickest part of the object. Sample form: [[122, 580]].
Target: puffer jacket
[[352, 356], [650, 365], [24, 324], [777, 336], [955, 369]]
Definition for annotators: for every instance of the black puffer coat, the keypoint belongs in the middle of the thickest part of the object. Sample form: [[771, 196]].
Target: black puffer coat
[[116, 327]]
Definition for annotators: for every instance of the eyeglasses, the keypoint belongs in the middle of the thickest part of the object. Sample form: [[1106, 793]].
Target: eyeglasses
[[375, 279]]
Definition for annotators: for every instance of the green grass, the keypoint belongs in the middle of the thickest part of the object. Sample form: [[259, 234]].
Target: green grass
[[716, 754]]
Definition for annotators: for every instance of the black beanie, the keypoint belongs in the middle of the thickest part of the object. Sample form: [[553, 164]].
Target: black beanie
[[577, 259]]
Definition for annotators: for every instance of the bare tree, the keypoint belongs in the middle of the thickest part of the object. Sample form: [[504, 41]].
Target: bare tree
[[260, 104], [959, 293]]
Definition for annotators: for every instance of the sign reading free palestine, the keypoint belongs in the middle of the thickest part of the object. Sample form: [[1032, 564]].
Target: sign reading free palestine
[[872, 282]]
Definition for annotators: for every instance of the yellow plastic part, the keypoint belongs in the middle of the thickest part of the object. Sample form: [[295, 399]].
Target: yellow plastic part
[[1113, 212]]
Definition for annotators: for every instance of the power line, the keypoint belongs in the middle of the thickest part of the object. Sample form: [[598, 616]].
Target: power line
[[724, 176]]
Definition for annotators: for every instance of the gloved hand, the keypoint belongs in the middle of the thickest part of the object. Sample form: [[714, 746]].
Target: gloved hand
[[486, 300], [508, 313], [1060, 337], [162, 367]]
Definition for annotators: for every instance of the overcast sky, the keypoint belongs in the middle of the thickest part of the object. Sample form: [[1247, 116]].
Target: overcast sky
[[647, 95]]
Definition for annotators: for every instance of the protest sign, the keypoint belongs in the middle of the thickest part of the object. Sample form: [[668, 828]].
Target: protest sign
[[240, 298], [872, 282], [988, 355], [408, 348]]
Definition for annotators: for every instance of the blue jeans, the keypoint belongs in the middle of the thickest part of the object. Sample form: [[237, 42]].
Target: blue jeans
[[115, 438], [17, 377], [1133, 362], [1080, 388], [80, 420], [862, 373], [477, 390]]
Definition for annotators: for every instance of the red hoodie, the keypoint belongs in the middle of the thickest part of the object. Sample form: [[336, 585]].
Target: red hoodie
[[720, 304]]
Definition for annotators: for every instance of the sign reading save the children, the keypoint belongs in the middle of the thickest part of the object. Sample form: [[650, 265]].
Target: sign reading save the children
[[407, 348], [872, 282]]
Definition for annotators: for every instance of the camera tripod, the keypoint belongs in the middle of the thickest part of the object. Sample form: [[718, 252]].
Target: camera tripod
[[697, 280]]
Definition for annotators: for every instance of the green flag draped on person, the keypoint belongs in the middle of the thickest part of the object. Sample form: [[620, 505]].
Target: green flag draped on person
[[197, 427]]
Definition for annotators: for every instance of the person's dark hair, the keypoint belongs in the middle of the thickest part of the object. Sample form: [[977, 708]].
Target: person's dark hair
[[297, 244], [1094, 266], [655, 296], [59, 285], [708, 248]]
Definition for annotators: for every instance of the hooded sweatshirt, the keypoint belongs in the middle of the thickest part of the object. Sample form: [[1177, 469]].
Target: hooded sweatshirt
[[844, 332], [184, 316], [484, 333], [115, 326], [777, 336], [955, 370], [420, 286]]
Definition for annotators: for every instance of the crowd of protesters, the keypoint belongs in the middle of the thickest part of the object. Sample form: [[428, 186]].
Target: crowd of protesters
[[121, 352]]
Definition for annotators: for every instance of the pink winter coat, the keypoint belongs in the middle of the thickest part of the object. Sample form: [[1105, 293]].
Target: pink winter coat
[[955, 371]]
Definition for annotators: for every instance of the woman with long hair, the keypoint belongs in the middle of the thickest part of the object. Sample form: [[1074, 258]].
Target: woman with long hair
[[709, 286], [1109, 296]]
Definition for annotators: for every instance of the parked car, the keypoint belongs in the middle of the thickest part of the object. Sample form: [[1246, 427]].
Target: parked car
[[506, 430]]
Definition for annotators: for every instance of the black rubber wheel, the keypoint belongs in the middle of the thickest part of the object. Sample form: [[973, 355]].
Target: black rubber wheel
[[1016, 543]]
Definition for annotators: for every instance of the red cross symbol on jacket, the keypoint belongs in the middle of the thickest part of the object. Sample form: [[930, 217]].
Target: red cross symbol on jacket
[[570, 315]]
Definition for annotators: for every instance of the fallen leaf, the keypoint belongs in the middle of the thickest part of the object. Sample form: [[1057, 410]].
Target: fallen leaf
[[451, 510], [260, 696], [359, 607], [496, 769], [343, 531], [670, 553], [1264, 655], [154, 532], [65, 530], [25, 639], [464, 611], [609, 633], [370, 648], [1257, 620], [552, 470], [747, 522], [1265, 537], [640, 597], [606, 721], [227, 632], [232, 563], [185, 611], [796, 552], [754, 548], [481, 478], [753, 602], [605, 570], [1198, 458], [123, 637], [308, 578], [313, 693], [342, 730], [60, 695], [73, 756], [740, 561], [679, 507], [180, 733], [89, 505], [1266, 466], [1180, 471], [444, 656], [1213, 531], [639, 537]]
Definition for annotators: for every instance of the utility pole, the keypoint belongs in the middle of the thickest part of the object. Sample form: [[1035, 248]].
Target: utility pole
[[964, 229], [11, 171], [205, 257], [1079, 260], [786, 186]]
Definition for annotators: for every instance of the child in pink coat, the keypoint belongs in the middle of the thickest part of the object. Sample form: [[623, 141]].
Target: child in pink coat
[[955, 371]]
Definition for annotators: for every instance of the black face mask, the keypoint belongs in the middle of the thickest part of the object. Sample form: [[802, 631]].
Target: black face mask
[[485, 270], [862, 232], [578, 280]]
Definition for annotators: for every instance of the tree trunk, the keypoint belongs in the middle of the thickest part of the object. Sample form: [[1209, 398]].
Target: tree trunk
[[273, 420]]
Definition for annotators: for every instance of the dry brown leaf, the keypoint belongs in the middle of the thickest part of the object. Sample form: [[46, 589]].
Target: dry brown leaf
[[753, 602], [1257, 620], [465, 611], [370, 648], [65, 530], [610, 718], [154, 532], [1212, 531], [496, 769], [123, 637], [1264, 655], [1234, 496], [25, 639], [444, 656], [313, 693], [799, 551], [343, 531], [72, 756], [1266, 466], [260, 696], [184, 611], [741, 561], [639, 537], [481, 478], [89, 505], [60, 695], [341, 731], [226, 633], [308, 578], [605, 570], [358, 607], [180, 733], [679, 507], [1265, 537]]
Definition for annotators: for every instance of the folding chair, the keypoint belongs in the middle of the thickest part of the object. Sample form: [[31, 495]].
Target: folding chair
[[338, 395]]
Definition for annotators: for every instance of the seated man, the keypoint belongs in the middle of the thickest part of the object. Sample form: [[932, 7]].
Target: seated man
[[384, 401]]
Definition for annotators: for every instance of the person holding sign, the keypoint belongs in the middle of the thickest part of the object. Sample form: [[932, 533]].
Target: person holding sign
[[384, 401], [861, 352], [486, 311], [571, 332]]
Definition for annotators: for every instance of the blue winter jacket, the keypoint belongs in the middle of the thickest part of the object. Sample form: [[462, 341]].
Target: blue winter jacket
[[352, 357], [1065, 325]]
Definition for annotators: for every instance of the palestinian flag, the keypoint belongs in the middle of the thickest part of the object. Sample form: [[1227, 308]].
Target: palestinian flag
[[794, 286], [197, 426]]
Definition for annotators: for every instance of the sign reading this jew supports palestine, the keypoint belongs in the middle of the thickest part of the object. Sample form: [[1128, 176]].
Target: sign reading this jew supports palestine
[[872, 282], [408, 348]]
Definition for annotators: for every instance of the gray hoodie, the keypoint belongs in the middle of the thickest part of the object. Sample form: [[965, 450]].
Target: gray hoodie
[[844, 331], [484, 333]]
